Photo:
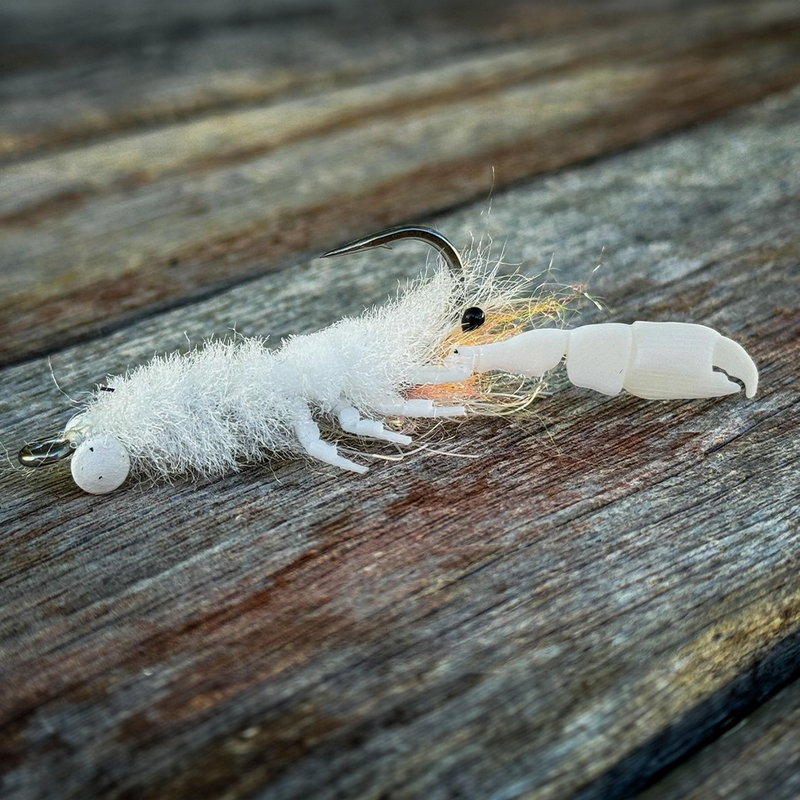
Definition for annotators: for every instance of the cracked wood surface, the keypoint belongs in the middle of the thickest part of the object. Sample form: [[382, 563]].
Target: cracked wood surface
[[602, 602]]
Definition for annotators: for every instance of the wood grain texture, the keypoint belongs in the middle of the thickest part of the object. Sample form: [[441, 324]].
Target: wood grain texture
[[610, 585], [81, 68], [764, 748], [105, 228]]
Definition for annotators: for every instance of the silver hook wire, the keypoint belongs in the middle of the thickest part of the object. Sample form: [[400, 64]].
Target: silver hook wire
[[442, 245], [40, 454]]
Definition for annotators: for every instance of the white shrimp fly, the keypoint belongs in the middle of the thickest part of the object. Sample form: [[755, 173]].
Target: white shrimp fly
[[424, 354]]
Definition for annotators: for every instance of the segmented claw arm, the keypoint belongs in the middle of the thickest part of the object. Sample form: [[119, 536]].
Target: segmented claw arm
[[653, 360]]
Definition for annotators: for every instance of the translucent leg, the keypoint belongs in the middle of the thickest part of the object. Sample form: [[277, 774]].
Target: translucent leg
[[451, 372], [397, 406], [352, 422], [308, 436]]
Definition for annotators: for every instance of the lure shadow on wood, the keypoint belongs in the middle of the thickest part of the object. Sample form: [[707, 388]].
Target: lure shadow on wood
[[460, 341]]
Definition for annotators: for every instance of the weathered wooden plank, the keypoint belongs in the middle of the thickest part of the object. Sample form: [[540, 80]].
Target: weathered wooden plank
[[758, 758], [94, 237], [609, 584], [102, 68]]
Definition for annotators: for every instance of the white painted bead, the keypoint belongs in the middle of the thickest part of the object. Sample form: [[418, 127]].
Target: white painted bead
[[100, 464]]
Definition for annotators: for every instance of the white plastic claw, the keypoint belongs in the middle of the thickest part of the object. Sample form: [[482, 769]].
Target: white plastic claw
[[654, 360]]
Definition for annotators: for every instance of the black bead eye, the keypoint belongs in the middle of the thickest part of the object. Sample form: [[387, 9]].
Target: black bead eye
[[472, 318]]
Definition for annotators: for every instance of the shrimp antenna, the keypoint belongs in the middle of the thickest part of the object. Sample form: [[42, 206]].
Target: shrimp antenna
[[442, 245]]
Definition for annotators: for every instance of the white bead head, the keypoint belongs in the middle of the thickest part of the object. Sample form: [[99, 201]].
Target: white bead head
[[100, 464]]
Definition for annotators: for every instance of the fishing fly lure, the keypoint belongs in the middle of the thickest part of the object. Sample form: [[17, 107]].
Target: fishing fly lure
[[460, 340]]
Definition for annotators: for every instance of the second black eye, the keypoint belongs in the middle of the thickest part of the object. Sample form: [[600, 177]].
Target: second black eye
[[472, 318]]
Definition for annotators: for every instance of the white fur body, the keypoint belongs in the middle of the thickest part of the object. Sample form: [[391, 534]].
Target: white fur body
[[229, 402]]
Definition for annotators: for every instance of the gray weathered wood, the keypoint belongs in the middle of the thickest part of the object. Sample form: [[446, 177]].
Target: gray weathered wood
[[74, 69], [355, 134], [610, 584]]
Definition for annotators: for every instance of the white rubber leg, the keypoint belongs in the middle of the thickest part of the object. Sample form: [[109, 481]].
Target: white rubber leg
[[450, 373], [308, 435], [397, 406], [352, 422]]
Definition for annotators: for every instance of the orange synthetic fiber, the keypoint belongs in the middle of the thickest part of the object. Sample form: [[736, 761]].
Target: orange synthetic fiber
[[497, 394]]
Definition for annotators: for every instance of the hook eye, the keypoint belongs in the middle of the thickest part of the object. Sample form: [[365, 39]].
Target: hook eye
[[40, 454]]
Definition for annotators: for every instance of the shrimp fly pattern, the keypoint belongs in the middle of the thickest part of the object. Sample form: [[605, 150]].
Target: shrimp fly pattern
[[460, 341]]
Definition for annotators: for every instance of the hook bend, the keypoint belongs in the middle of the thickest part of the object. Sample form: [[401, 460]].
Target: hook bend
[[441, 244]]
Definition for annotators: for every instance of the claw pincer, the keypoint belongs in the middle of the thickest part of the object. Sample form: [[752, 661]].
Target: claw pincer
[[653, 360]]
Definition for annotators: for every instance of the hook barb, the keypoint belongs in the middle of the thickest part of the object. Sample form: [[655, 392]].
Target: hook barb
[[442, 245]]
